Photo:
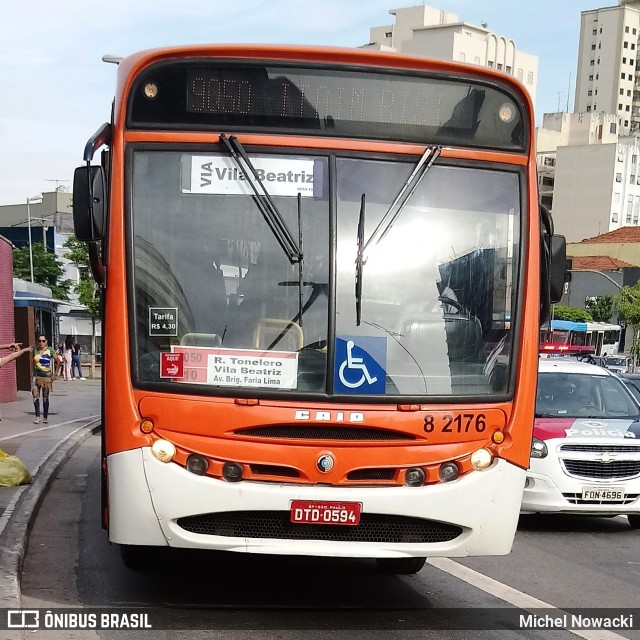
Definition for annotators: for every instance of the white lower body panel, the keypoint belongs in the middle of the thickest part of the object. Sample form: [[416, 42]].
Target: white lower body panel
[[147, 497]]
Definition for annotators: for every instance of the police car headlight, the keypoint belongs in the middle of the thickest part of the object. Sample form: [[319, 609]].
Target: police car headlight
[[538, 449]]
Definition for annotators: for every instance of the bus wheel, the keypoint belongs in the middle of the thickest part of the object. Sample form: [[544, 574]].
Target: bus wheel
[[400, 566], [137, 557], [634, 520]]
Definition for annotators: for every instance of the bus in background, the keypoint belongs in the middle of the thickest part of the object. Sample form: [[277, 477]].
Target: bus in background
[[599, 338], [306, 256]]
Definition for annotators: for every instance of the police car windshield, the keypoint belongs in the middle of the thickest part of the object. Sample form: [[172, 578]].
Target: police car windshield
[[583, 395]]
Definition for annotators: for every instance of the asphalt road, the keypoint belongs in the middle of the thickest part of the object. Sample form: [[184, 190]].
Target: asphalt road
[[560, 562]]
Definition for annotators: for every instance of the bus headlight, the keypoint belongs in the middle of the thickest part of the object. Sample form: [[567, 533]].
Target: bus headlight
[[538, 448], [481, 459], [448, 471], [414, 477], [163, 450]]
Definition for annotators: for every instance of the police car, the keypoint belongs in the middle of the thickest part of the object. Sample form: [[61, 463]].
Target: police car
[[585, 454]]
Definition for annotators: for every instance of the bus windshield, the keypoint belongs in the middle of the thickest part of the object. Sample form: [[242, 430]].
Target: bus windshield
[[211, 280]]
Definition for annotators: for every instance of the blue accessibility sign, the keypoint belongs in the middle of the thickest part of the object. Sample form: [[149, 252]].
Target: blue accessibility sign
[[360, 364]]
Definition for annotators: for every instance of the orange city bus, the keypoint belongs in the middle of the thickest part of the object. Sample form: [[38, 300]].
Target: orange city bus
[[307, 256]]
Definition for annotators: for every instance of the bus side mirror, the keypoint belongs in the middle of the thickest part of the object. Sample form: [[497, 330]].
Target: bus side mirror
[[88, 203], [557, 268]]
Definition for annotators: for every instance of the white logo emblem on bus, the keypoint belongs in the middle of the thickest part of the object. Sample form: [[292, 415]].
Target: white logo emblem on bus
[[325, 463], [357, 364]]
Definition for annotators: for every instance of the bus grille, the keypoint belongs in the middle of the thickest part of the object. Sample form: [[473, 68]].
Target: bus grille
[[617, 469], [276, 525], [312, 432], [372, 474]]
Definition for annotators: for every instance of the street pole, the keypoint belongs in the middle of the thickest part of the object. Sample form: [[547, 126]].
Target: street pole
[[30, 201], [30, 245]]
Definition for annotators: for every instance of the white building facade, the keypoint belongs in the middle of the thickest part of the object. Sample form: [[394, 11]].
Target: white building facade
[[608, 73], [433, 33]]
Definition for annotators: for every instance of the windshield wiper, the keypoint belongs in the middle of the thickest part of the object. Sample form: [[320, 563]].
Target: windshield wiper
[[395, 209], [263, 200], [360, 261]]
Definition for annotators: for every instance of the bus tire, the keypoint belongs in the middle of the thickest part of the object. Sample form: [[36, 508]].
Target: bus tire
[[137, 557], [634, 520], [400, 566]]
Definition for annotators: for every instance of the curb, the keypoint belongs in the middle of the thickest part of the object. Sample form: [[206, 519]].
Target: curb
[[16, 534]]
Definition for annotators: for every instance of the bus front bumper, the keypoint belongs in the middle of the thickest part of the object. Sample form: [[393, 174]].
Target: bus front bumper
[[147, 498]]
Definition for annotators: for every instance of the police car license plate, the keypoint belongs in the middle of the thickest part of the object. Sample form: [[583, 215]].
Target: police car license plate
[[603, 494], [321, 512]]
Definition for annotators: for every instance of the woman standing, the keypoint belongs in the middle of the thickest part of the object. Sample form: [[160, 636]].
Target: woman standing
[[44, 362]]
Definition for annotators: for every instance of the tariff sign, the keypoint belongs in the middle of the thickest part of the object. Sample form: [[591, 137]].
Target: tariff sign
[[172, 365]]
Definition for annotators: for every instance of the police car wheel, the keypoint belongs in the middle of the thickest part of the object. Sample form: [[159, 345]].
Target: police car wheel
[[634, 520], [400, 566]]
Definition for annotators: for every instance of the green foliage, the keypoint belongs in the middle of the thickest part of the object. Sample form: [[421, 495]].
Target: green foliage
[[600, 308], [87, 289], [47, 269], [569, 313], [628, 304]]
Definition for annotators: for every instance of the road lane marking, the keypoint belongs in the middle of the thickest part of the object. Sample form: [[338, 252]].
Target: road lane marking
[[49, 426], [512, 596]]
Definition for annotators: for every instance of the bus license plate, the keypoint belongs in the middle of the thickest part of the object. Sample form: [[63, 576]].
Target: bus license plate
[[336, 513], [603, 494]]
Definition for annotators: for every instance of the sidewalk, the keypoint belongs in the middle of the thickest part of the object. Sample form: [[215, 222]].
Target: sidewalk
[[74, 413]]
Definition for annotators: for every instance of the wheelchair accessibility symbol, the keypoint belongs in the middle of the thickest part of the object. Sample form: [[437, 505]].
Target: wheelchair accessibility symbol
[[360, 365]]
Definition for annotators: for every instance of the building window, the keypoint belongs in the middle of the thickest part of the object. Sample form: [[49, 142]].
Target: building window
[[499, 66], [593, 47], [547, 181], [476, 60], [634, 31], [595, 31], [624, 61], [628, 93], [634, 158], [632, 61], [620, 156], [626, 123], [621, 92], [462, 57], [620, 106], [520, 74], [597, 76], [530, 77], [616, 198], [626, 29], [588, 107], [490, 64], [589, 93], [629, 77], [614, 217], [627, 108], [612, 127], [507, 69], [621, 75], [632, 179], [388, 34], [591, 78], [618, 177], [626, 44]]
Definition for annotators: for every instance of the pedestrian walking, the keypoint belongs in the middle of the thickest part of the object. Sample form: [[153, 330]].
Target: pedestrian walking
[[66, 358], [44, 363], [76, 365]]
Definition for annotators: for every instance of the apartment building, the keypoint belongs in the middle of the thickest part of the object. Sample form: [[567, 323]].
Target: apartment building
[[431, 32], [608, 73]]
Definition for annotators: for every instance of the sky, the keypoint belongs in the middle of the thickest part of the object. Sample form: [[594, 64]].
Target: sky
[[55, 91]]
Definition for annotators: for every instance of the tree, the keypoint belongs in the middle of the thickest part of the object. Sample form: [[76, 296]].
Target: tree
[[569, 313], [628, 305], [600, 308], [47, 269], [87, 288]]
